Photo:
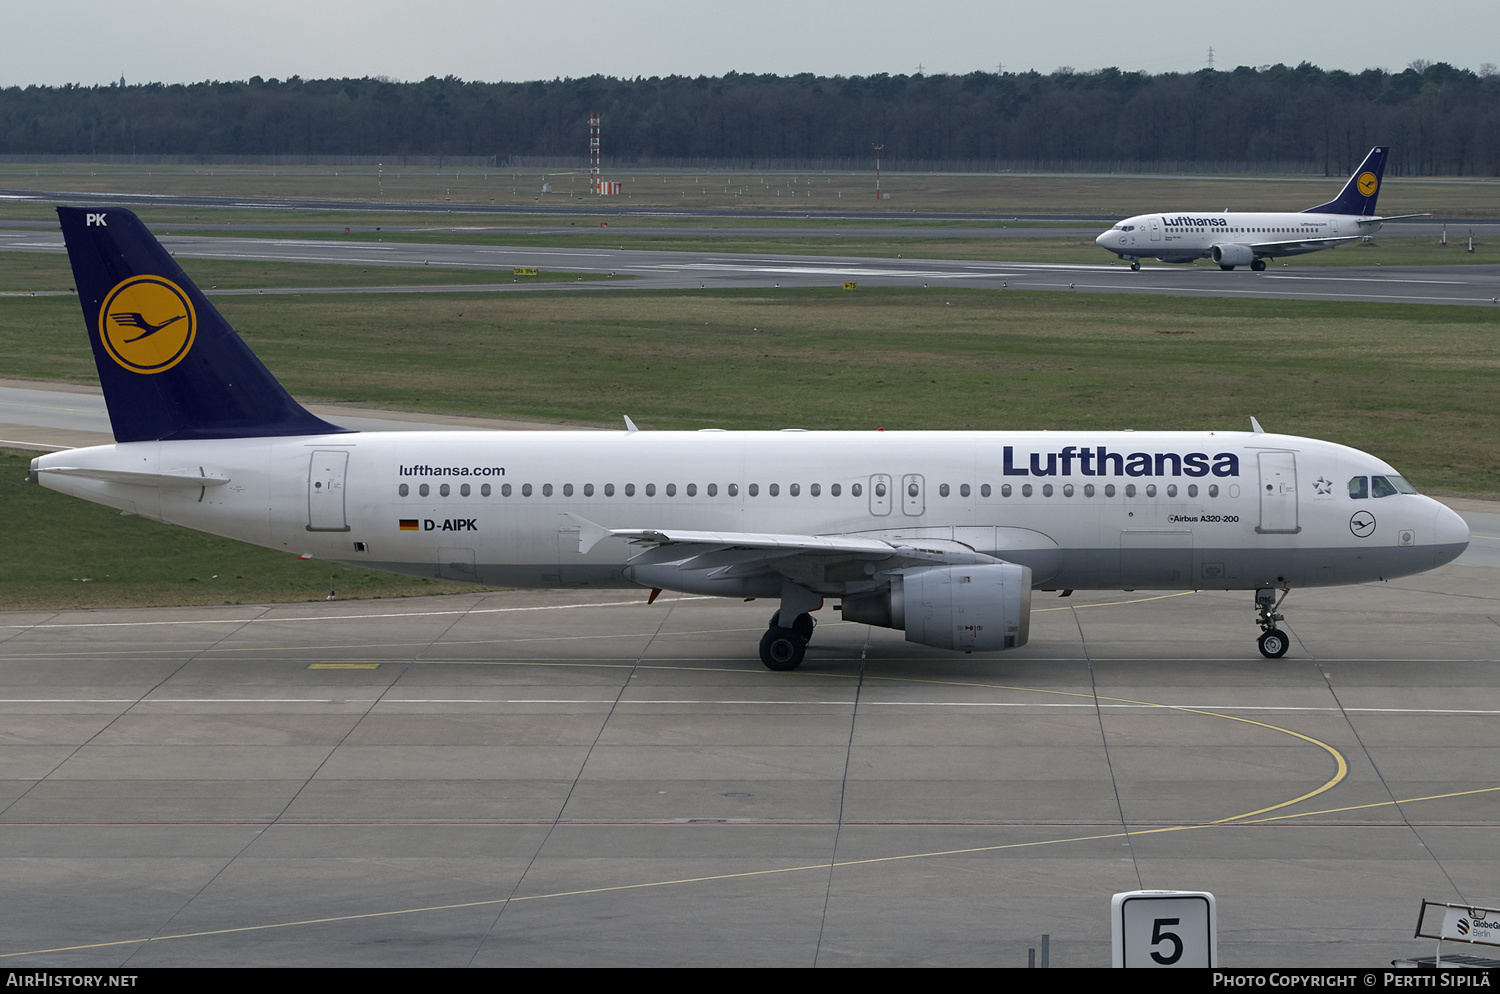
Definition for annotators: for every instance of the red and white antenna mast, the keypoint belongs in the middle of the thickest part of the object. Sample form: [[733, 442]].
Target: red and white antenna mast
[[594, 153]]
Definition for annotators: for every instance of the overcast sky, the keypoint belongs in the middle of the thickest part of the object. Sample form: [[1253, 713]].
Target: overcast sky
[[174, 41]]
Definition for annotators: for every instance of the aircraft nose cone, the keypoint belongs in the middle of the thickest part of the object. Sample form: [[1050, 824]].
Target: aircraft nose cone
[[1100, 240], [1451, 533]]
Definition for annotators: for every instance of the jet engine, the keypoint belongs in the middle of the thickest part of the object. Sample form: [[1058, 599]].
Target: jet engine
[[970, 608], [1232, 254]]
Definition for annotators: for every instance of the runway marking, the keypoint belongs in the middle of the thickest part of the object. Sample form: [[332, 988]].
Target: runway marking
[[487, 610], [683, 881], [351, 617], [724, 702]]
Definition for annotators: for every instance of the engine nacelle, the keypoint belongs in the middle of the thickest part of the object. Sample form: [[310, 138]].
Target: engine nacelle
[[1232, 254], [969, 608]]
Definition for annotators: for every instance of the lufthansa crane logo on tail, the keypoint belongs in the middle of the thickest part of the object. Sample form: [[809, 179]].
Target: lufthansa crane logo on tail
[[147, 324], [1367, 184]]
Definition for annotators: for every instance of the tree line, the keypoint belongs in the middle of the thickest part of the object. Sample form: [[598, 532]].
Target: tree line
[[1439, 120]]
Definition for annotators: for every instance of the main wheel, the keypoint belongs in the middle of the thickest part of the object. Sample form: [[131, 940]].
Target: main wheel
[[1274, 644], [1259, 265], [1225, 268], [803, 625], [1135, 267], [781, 649]]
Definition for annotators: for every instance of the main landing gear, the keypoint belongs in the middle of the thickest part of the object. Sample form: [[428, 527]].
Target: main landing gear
[[783, 648], [1273, 641], [1258, 265], [1135, 266]]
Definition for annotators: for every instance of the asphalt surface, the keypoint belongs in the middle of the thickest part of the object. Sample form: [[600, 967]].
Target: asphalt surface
[[580, 779], [1459, 284]]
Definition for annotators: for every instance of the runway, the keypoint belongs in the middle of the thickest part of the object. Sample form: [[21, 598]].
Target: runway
[[1457, 284], [535, 778]]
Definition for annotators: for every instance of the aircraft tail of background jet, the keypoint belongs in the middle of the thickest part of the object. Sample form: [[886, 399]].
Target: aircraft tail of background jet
[[170, 365], [1358, 195]]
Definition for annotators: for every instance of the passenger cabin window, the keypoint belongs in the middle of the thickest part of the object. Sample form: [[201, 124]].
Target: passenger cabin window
[[856, 489], [484, 490], [403, 490], [444, 490]]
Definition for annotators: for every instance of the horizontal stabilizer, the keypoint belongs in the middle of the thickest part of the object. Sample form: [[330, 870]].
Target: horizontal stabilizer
[[167, 478]]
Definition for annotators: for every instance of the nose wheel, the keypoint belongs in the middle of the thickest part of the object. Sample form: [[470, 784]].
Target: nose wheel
[[1273, 641]]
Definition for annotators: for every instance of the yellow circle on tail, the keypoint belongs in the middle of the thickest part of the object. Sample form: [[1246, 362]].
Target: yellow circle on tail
[[1367, 184], [147, 324]]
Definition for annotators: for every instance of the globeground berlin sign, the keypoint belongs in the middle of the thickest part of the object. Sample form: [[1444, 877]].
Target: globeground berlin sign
[[1458, 923]]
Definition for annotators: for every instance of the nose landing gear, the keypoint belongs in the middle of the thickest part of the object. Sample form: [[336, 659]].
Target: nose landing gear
[[1273, 641]]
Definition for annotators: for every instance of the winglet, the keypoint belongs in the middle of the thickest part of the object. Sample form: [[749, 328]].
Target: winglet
[[1255, 426], [630, 425]]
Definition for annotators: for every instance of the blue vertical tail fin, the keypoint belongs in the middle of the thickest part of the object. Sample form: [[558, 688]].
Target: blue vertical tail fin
[[170, 365], [1358, 195]]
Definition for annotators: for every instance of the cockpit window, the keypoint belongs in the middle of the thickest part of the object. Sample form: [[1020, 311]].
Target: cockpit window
[[1388, 486], [1379, 486]]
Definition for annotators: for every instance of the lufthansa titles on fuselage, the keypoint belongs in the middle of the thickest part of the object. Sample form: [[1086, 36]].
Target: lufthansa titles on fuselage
[[1100, 461]]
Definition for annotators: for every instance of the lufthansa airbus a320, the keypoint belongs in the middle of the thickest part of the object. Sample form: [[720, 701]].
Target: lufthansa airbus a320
[[943, 535]]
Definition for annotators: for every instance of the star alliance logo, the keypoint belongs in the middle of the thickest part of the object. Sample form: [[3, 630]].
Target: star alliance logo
[[1323, 487]]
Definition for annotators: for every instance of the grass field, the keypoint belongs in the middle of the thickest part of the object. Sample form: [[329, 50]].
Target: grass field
[[813, 192], [1413, 384], [22, 272]]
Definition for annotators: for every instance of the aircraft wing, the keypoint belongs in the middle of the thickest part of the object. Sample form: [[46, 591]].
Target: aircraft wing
[[825, 563], [1309, 244]]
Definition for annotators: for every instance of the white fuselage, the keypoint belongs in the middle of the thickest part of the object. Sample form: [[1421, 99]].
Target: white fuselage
[[1188, 235], [1175, 510]]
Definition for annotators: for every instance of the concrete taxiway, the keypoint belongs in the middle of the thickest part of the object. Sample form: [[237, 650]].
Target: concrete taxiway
[[543, 778]]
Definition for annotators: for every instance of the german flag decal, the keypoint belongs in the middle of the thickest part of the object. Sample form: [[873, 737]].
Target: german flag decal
[[409, 524]]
